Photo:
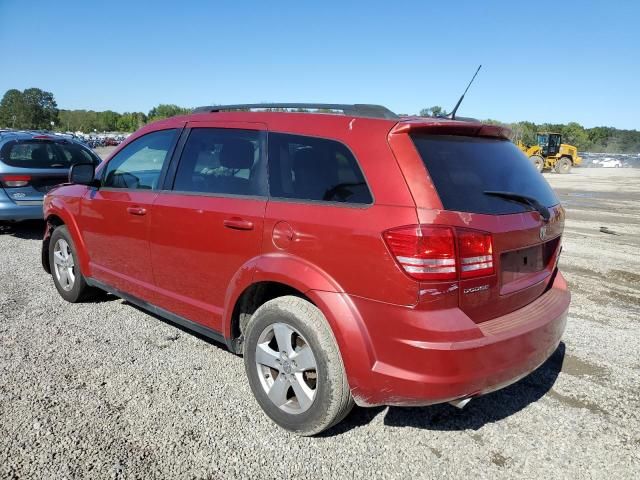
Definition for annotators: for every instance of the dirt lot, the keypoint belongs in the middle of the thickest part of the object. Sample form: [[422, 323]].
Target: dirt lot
[[104, 390]]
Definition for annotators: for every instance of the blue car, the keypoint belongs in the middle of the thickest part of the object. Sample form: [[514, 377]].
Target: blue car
[[31, 164]]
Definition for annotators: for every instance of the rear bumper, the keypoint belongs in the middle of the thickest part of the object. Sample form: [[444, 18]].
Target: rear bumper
[[415, 365], [10, 210]]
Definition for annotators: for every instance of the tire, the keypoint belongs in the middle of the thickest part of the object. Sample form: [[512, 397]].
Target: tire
[[538, 162], [307, 404], [65, 268], [563, 165]]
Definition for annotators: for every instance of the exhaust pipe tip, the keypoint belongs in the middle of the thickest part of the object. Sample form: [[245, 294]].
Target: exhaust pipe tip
[[460, 403]]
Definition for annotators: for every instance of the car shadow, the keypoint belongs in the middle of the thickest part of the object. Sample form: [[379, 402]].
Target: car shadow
[[28, 229], [479, 412], [210, 341]]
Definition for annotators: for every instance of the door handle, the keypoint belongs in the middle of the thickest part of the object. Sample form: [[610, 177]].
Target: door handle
[[137, 211], [237, 223]]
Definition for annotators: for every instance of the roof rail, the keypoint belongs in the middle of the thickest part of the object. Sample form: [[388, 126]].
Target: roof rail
[[357, 110]]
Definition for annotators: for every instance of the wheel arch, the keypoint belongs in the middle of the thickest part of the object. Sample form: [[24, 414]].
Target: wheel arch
[[265, 277], [56, 217], [53, 221], [275, 275], [249, 300]]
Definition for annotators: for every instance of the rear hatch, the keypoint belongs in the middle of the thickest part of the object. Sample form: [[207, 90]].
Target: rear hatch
[[30, 167], [495, 202]]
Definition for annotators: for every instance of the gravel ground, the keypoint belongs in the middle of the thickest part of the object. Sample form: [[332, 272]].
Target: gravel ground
[[104, 152], [105, 390]]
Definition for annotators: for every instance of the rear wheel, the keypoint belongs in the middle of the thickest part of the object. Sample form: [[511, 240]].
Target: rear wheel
[[563, 165], [65, 268], [294, 366], [538, 162]]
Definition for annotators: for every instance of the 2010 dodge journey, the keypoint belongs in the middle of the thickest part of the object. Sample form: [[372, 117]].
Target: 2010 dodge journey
[[351, 257]]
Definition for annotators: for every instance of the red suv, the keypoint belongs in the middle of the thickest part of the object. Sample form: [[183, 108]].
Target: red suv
[[352, 256]]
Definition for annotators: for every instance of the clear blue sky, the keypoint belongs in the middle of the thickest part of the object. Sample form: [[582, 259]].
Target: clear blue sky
[[543, 61]]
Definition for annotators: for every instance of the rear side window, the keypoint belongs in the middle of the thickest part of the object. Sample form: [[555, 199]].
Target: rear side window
[[463, 168], [138, 165], [45, 154], [221, 161], [308, 168]]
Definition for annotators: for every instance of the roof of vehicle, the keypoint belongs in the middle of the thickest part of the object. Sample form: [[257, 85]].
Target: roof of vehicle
[[333, 114], [356, 110]]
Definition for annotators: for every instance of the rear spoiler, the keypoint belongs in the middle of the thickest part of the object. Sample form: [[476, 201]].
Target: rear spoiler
[[442, 126]]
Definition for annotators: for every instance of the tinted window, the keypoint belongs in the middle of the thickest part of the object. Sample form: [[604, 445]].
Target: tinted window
[[138, 165], [45, 154], [221, 160], [462, 168], [308, 168]]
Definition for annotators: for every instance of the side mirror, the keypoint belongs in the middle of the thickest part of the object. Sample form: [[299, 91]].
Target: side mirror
[[83, 174]]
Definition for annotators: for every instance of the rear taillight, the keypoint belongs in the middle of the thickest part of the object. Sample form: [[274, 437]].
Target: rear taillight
[[476, 254], [429, 252], [15, 180], [425, 253]]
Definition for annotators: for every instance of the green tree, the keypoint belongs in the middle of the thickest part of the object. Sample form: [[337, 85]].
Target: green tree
[[165, 111], [31, 108], [435, 111], [130, 121], [574, 134], [107, 121], [524, 132], [12, 109], [40, 108]]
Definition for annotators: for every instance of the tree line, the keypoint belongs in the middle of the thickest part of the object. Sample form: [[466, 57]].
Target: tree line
[[33, 108], [596, 139]]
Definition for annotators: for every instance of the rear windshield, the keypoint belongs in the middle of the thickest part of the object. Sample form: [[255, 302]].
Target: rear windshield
[[45, 154], [462, 168]]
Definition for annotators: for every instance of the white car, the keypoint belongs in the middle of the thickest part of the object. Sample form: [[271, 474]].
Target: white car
[[610, 163]]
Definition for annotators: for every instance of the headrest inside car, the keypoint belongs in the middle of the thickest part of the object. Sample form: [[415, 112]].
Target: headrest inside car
[[237, 154]]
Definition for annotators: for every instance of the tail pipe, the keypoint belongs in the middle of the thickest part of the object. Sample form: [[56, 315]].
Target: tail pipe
[[460, 402]]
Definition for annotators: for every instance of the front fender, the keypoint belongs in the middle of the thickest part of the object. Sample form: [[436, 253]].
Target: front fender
[[66, 209]]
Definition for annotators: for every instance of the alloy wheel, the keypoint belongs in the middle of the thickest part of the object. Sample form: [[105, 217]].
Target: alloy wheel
[[64, 265], [287, 368]]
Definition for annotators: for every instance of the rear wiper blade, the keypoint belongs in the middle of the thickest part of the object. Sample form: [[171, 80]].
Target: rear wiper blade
[[523, 199]]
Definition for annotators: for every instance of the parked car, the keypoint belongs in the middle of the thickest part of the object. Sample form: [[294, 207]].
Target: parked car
[[31, 163], [351, 258], [610, 163]]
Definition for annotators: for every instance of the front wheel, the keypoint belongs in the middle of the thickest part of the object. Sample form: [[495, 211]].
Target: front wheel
[[538, 162], [65, 268], [563, 165], [294, 366]]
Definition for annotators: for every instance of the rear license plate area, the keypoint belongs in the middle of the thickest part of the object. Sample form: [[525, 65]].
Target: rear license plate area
[[526, 261]]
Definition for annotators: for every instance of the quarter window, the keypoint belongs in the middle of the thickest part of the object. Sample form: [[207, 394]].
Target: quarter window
[[221, 161], [308, 168], [139, 164]]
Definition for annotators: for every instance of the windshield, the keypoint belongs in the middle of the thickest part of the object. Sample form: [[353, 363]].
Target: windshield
[[45, 154], [463, 168], [543, 139]]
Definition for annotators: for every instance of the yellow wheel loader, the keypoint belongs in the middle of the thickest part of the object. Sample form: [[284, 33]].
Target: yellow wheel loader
[[551, 154]]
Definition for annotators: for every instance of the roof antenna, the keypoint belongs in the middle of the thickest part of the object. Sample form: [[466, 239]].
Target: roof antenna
[[452, 115]]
